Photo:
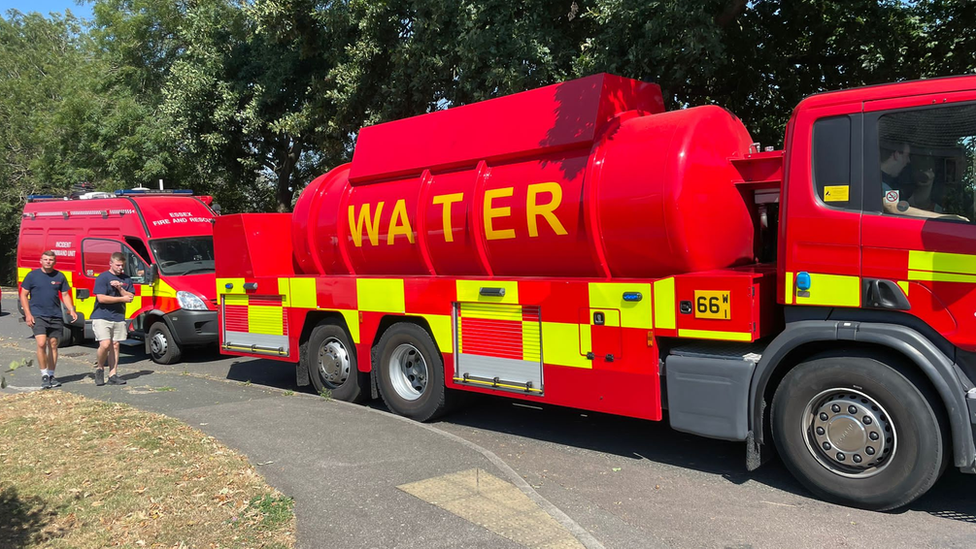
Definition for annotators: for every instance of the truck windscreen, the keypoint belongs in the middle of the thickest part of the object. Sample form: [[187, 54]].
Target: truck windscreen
[[184, 256]]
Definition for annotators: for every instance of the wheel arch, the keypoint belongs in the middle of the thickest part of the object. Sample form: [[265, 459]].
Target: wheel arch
[[389, 320], [313, 319], [803, 339]]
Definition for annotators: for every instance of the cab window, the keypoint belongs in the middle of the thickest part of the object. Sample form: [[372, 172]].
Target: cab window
[[925, 160], [96, 253]]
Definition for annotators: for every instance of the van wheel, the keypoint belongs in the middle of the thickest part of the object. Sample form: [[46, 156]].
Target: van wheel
[[858, 432], [330, 358], [411, 373], [71, 335], [162, 347]]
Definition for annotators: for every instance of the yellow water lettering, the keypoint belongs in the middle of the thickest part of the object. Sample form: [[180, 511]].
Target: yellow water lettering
[[492, 213], [372, 224], [533, 209], [399, 223], [447, 200]]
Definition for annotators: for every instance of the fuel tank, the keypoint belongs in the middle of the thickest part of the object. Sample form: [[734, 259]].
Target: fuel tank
[[587, 178]]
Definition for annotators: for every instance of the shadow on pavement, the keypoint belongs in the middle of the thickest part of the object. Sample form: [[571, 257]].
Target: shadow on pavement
[[23, 519], [269, 373], [951, 497]]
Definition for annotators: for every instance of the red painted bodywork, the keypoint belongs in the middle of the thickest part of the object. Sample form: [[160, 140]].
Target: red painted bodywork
[[646, 195], [63, 225]]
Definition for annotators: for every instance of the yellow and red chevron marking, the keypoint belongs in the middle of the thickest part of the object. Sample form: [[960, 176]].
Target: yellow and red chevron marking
[[500, 331], [255, 314]]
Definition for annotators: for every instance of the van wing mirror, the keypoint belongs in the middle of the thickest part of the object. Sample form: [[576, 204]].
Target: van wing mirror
[[152, 274]]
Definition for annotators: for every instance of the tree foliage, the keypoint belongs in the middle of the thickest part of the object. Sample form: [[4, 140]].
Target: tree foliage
[[251, 99]]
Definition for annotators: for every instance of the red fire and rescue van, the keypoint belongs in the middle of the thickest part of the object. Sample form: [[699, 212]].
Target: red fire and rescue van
[[579, 246], [167, 239]]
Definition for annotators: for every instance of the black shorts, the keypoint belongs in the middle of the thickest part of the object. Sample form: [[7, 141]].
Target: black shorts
[[48, 326]]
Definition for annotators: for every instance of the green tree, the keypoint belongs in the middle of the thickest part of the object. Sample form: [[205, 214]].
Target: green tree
[[40, 64]]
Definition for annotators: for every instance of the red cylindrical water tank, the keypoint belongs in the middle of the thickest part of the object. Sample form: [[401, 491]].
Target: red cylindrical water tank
[[601, 191]]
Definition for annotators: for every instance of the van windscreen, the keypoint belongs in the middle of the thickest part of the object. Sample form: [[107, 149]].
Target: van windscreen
[[184, 256]]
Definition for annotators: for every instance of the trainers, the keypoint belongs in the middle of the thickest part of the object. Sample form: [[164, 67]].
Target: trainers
[[99, 377], [54, 381], [116, 380], [46, 382]]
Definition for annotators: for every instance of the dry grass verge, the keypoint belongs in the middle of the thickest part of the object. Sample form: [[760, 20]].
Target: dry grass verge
[[83, 473]]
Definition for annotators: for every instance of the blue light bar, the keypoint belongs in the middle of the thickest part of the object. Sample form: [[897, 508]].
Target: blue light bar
[[633, 296], [126, 192], [39, 196]]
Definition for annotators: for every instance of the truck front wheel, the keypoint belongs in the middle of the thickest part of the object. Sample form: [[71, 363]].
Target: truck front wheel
[[411, 372], [162, 347], [331, 362], [858, 432]]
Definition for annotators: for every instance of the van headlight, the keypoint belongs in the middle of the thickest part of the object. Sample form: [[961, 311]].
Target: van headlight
[[190, 301]]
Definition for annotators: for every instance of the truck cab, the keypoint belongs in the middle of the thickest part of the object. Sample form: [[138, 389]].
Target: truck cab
[[167, 239]]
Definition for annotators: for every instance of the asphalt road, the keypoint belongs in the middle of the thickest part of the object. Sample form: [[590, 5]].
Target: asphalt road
[[605, 481]]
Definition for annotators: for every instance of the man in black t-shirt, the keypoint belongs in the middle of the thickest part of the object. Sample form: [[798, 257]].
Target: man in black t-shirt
[[113, 290], [41, 294]]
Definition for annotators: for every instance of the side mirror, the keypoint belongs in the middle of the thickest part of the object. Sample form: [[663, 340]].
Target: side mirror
[[152, 274]]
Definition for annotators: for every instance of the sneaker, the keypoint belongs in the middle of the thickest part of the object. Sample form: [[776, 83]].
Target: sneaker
[[54, 381], [46, 382], [116, 380], [99, 377]]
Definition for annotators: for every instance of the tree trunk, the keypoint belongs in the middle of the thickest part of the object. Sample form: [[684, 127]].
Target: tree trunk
[[285, 191]]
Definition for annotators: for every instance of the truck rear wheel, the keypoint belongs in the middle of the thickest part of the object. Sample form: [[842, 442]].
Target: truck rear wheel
[[858, 432], [411, 372], [331, 361], [162, 347]]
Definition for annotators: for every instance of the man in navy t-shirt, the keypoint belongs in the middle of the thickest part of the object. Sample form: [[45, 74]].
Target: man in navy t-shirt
[[41, 294], [113, 289]]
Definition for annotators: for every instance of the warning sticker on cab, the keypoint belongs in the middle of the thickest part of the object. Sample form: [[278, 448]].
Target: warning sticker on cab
[[712, 305], [837, 193]]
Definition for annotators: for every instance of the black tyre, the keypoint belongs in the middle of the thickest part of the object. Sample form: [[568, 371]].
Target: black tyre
[[162, 347], [71, 335], [410, 372], [330, 358], [859, 432]]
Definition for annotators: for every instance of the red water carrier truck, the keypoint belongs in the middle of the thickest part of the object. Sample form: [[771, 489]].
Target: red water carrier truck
[[579, 246]]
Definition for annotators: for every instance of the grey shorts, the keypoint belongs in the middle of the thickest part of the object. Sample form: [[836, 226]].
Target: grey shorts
[[50, 326], [106, 329]]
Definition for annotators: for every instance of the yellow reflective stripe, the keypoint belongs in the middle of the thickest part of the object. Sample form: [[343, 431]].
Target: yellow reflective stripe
[[303, 293], [22, 273], [919, 260], [235, 299], [262, 319], [493, 384], [664, 304], [832, 290], [237, 285], [470, 290], [133, 306], [440, 326], [381, 295], [298, 292], [561, 344], [710, 334], [904, 284], [610, 295], [788, 282], [940, 277], [491, 311], [531, 341], [352, 322], [163, 289]]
